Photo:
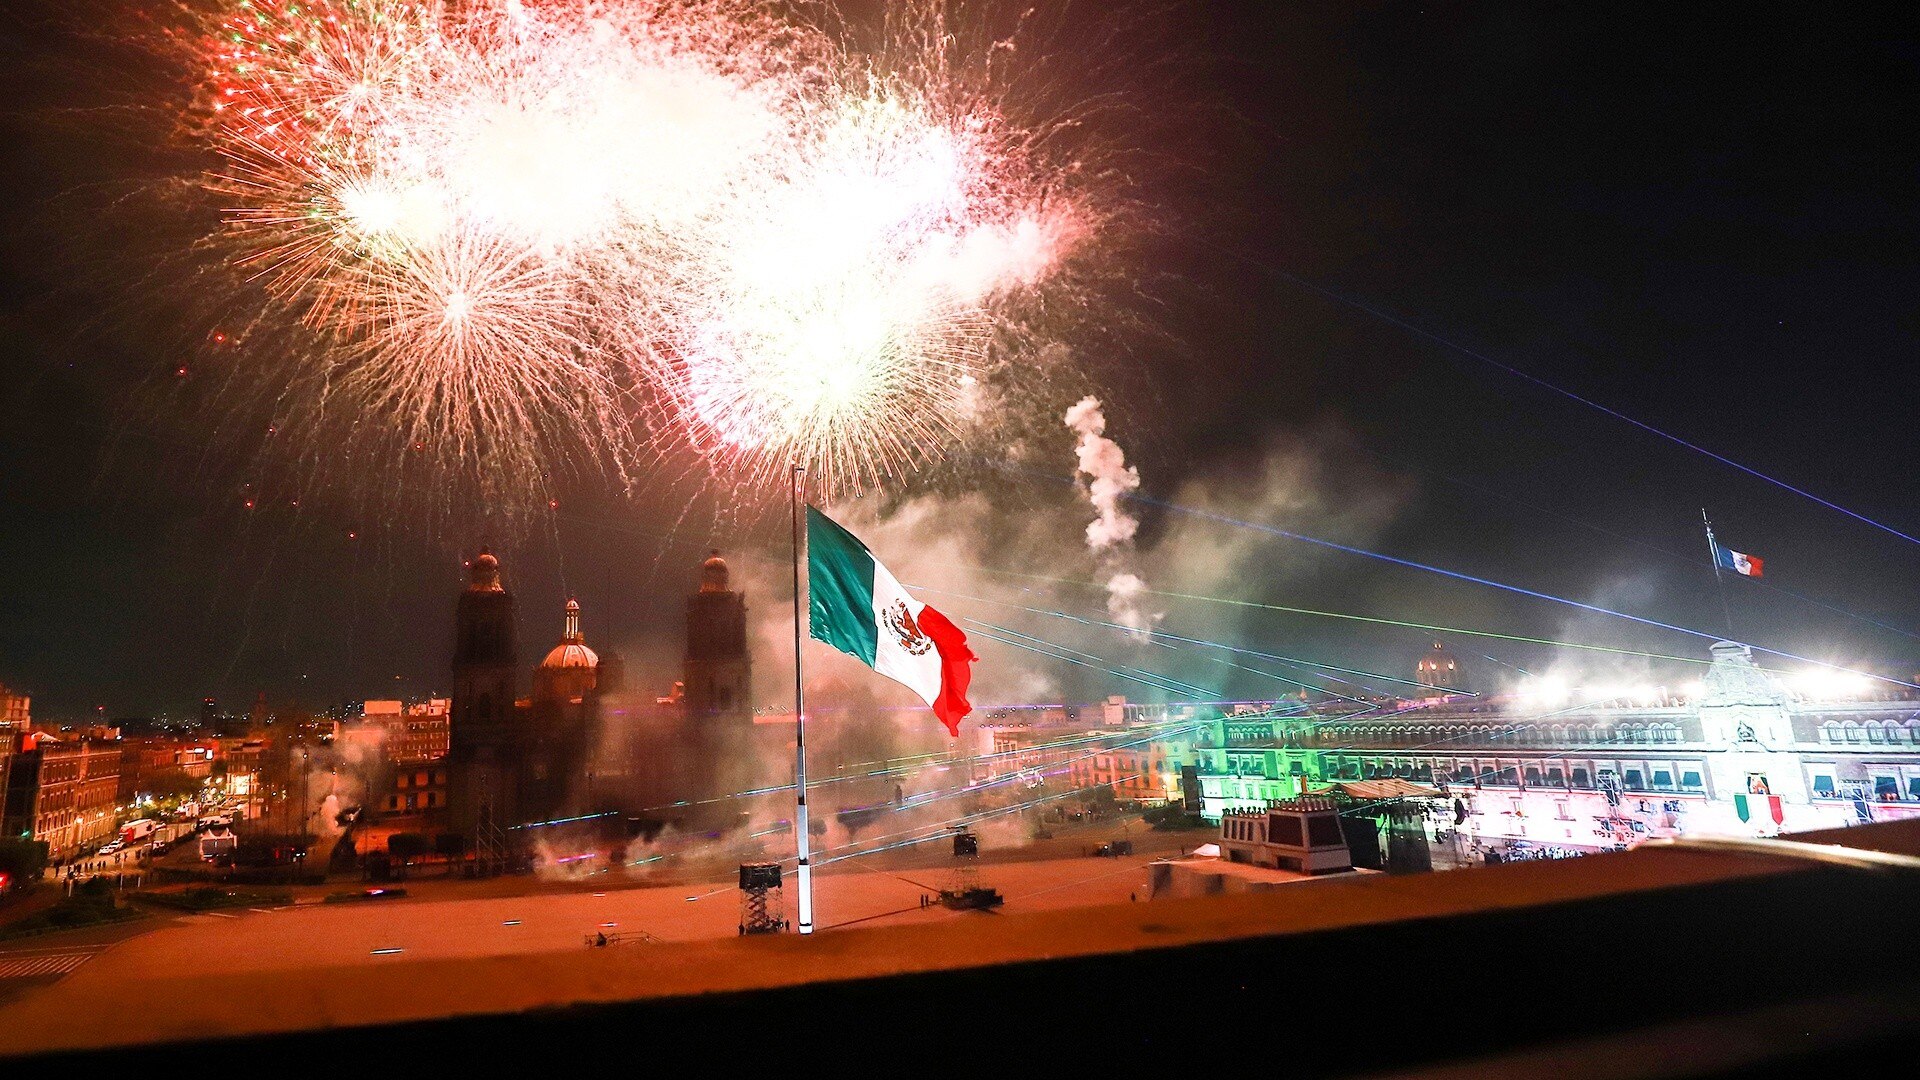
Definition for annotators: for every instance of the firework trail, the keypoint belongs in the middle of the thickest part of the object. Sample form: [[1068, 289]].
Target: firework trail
[[517, 234], [1110, 534]]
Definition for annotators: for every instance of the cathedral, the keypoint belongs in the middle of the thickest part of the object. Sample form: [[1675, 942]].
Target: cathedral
[[582, 744]]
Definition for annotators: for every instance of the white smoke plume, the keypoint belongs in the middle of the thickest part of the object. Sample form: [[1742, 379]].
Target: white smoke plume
[[1110, 534], [1109, 477]]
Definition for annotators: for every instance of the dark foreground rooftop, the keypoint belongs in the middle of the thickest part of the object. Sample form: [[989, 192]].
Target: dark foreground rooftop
[[1657, 962]]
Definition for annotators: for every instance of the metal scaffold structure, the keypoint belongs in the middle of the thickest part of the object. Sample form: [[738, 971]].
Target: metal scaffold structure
[[763, 905], [963, 890], [489, 848]]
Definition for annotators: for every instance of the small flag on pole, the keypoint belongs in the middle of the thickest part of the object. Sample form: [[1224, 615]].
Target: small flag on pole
[[856, 606], [1737, 561]]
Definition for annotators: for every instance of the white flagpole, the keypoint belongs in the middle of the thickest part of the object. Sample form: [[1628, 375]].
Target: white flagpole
[[1719, 586], [805, 872]]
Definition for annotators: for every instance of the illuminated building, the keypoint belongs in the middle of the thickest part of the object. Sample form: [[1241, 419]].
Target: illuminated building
[[15, 713], [400, 751], [141, 758], [1440, 670], [1136, 749], [62, 793], [1595, 767]]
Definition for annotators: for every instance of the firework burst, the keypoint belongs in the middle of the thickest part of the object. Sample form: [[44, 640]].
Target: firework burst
[[670, 221]]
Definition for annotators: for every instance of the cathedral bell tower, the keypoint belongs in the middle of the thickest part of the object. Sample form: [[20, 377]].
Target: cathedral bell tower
[[481, 748], [716, 670]]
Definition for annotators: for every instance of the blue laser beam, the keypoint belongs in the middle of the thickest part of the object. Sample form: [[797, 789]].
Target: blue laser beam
[[1428, 335]]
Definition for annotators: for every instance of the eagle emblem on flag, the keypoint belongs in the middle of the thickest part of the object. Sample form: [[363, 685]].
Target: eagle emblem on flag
[[906, 631]]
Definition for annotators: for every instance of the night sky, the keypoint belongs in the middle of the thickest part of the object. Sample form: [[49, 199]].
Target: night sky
[[1701, 217]]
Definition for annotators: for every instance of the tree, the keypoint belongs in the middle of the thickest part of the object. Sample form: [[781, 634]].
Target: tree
[[23, 860], [169, 783]]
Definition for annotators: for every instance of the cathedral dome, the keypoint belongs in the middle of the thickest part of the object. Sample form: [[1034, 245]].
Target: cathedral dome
[[1439, 668], [571, 655], [572, 652]]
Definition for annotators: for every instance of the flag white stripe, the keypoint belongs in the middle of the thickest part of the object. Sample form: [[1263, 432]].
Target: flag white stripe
[[904, 653]]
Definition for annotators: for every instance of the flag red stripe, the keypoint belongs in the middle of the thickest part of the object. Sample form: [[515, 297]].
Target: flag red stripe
[[956, 668]]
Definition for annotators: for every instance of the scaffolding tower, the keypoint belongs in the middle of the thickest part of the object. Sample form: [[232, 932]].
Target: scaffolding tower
[[489, 848], [963, 890], [763, 905]]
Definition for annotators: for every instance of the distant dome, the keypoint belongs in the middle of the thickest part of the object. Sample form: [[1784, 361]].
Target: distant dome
[[571, 654], [714, 574], [1438, 667]]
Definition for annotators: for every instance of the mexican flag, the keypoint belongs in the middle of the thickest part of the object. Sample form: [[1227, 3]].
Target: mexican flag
[[856, 606], [1751, 805]]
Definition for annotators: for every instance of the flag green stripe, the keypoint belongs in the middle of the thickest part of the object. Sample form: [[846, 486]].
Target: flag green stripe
[[840, 589]]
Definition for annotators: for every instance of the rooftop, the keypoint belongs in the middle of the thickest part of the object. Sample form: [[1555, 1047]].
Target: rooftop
[[1699, 910]]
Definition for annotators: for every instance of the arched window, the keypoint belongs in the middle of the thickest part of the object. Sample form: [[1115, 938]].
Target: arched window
[[1875, 733], [1830, 731], [1854, 734]]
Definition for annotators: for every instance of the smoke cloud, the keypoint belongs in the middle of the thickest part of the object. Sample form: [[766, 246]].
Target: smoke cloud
[[1110, 535]]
